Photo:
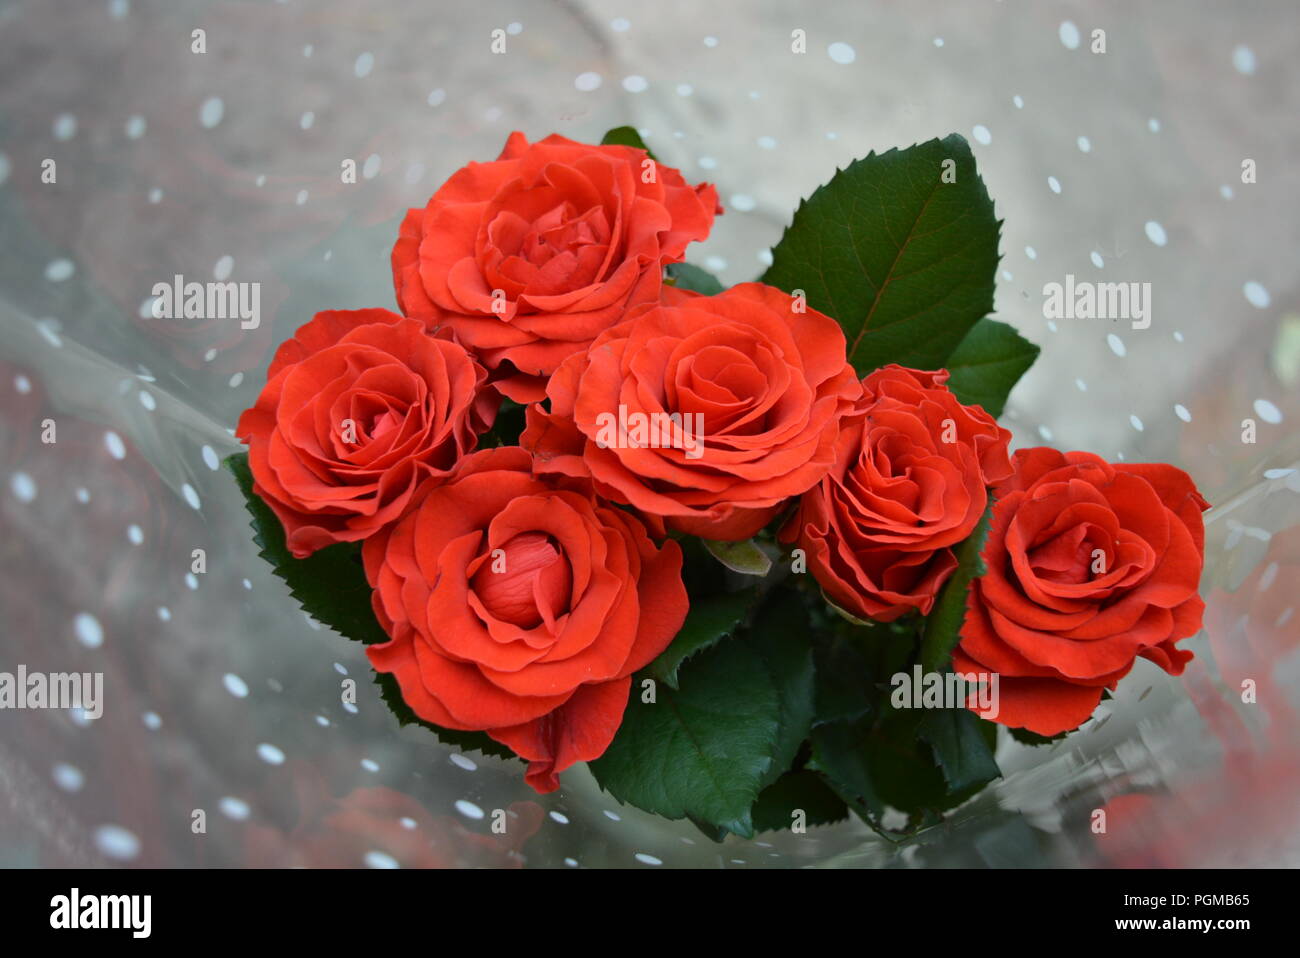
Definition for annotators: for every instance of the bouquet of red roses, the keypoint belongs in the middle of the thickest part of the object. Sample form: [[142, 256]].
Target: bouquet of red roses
[[760, 555]]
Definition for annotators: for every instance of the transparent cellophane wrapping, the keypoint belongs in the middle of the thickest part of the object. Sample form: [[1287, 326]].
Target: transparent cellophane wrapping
[[223, 698]]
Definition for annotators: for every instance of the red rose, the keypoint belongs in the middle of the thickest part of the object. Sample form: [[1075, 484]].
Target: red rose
[[757, 388], [522, 609], [911, 467], [1089, 566], [361, 409], [530, 257]]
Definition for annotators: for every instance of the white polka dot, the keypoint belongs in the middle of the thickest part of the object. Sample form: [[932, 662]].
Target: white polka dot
[[1156, 233], [1256, 295], [370, 765], [65, 126], [463, 761], [269, 754], [83, 495], [89, 632], [1085, 144], [1116, 345], [1031, 252], [210, 458], [1069, 35], [1054, 184], [211, 112], [164, 613], [22, 486], [301, 198], [22, 384], [364, 64], [410, 824], [308, 50], [981, 134], [1135, 422], [685, 89], [612, 816], [135, 534], [586, 82], [469, 809], [1080, 385], [841, 52], [708, 163], [235, 808], [147, 400], [58, 270], [620, 25], [938, 41], [68, 777], [436, 97], [1225, 191], [514, 29], [1181, 412], [766, 142], [370, 169], [559, 817], [1267, 411], [152, 721], [235, 685], [1243, 60], [190, 495], [135, 126], [1153, 125], [1097, 261], [377, 859], [742, 202], [710, 42], [645, 859], [1046, 433], [117, 842], [191, 581], [1019, 101], [634, 84]]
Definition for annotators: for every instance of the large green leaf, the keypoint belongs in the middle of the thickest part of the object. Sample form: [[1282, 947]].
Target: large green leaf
[[708, 621], [330, 584], [796, 792], [943, 624], [780, 635], [703, 750], [987, 363], [331, 587], [902, 259], [963, 746]]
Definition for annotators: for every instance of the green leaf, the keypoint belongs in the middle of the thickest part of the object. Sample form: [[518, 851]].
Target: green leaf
[[903, 260], [743, 557], [686, 276], [988, 363], [801, 791], [961, 746], [943, 624], [331, 587], [844, 689], [838, 754], [709, 621], [627, 136], [779, 634], [330, 584], [702, 750]]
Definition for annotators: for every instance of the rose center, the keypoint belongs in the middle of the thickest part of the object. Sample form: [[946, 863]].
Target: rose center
[[526, 582]]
